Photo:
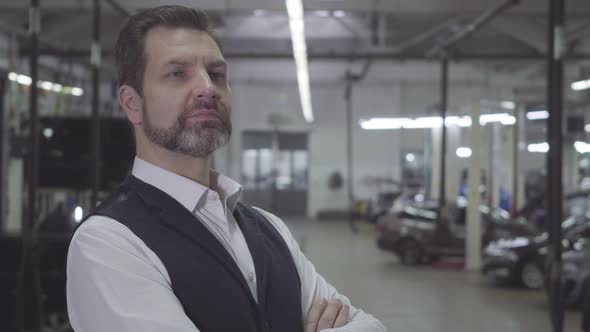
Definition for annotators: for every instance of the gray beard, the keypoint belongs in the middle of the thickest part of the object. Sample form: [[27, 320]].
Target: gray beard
[[199, 141]]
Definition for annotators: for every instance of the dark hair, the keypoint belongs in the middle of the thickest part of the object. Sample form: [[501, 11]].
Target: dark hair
[[130, 47]]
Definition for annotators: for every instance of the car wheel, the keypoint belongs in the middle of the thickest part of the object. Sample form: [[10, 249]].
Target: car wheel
[[531, 275], [411, 252]]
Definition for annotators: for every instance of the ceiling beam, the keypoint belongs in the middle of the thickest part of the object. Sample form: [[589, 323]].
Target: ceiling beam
[[118, 8], [425, 35], [519, 28], [458, 7], [472, 27], [340, 55]]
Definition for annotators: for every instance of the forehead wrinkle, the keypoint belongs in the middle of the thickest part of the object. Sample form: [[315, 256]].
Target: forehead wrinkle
[[189, 45]]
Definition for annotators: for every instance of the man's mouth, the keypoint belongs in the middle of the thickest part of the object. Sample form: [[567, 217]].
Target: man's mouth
[[202, 114]]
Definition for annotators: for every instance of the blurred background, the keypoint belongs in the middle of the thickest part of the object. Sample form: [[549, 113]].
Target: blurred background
[[431, 157]]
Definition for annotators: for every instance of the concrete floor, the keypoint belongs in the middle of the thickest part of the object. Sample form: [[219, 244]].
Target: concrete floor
[[420, 299]]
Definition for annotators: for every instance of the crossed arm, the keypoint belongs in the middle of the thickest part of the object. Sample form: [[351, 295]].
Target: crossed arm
[[115, 283]]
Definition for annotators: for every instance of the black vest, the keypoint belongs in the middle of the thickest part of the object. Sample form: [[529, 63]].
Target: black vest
[[204, 277]]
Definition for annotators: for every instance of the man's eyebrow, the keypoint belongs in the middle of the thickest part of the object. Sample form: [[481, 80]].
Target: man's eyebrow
[[217, 63], [179, 62], [188, 62]]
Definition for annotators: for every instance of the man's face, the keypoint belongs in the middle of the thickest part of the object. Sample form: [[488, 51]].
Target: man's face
[[186, 97]]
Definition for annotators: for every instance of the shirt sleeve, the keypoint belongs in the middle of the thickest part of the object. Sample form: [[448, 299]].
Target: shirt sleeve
[[115, 283], [315, 287]]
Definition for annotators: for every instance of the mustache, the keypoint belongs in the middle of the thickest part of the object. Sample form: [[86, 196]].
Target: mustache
[[204, 103], [209, 104]]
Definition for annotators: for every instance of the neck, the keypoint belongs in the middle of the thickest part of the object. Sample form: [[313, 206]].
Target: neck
[[194, 168]]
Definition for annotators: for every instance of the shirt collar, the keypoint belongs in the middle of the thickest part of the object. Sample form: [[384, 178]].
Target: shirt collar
[[186, 191]]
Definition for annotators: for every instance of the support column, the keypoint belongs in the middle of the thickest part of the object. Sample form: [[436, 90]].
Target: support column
[[28, 306], [435, 139], [349, 151], [490, 174], [95, 60], [442, 198], [4, 155], [474, 180], [555, 55], [519, 116]]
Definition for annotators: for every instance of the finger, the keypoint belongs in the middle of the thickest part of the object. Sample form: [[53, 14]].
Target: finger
[[342, 318], [329, 315], [314, 315]]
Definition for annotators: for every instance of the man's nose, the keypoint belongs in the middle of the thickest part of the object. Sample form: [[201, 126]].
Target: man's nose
[[204, 87]]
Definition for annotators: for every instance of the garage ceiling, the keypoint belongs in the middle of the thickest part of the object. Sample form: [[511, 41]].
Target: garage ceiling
[[259, 27], [335, 29]]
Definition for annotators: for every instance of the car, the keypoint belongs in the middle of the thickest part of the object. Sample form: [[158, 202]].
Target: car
[[575, 267], [521, 260], [415, 235]]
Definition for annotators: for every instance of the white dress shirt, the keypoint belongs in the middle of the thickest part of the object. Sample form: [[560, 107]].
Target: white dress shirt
[[115, 282]]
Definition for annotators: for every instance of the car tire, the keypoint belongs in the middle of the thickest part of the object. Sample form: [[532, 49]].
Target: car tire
[[411, 252], [531, 275]]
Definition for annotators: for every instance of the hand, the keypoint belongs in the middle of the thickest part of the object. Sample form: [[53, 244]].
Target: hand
[[326, 314]]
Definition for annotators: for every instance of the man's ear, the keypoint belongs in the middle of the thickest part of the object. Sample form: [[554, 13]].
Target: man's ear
[[132, 104]]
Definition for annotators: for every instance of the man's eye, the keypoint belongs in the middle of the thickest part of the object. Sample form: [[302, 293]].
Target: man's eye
[[177, 74], [217, 75]]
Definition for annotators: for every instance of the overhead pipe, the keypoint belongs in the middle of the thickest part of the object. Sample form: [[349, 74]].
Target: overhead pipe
[[350, 80], [423, 36], [118, 8], [23, 33], [477, 23], [400, 56]]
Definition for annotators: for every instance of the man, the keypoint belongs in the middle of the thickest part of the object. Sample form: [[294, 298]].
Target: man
[[173, 249]]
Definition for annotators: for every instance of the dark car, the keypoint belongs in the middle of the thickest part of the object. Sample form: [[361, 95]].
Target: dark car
[[521, 260], [575, 266], [415, 235]]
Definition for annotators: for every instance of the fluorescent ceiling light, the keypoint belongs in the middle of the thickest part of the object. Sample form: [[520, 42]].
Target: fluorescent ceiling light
[[503, 118], [46, 85], [582, 147], [78, 213], [77, 91], [581, 85], [508, 105], [423, 122], [464, 152], [48, 133], [433, 122], [297, 27], [340, 13], [463, 121], [538, 147], [537, 115], [260, 12], [24, 80], [322, 13], [382, 123]]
